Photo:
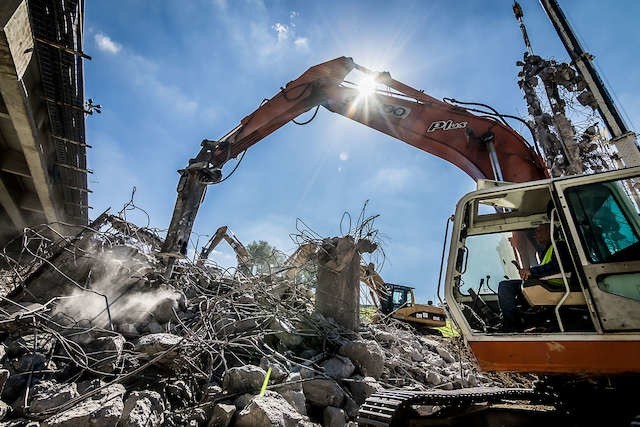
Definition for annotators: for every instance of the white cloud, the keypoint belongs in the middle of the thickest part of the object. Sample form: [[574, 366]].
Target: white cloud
[[105, 44], [145, 75], [282, 30], [221, 4], [274, 229], [225, 258], [390, 180], [344, 156], [301, 43], [265, 38]]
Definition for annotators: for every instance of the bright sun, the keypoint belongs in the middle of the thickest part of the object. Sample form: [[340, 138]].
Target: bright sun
[[367, 86]]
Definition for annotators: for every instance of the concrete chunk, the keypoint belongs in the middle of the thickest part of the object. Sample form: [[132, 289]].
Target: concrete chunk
[[367, 355], [222, 415], [445, 355], [362, 388], [338, 367], [243, 379], [103, 410], [108, 350], [333, 417], [153, 344], [143, 409], [295, 399], [323, 392], [278, 372], [268, 410], [47, 395]]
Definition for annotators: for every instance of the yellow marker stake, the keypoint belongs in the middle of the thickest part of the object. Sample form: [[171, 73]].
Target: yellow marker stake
[[266, 381]]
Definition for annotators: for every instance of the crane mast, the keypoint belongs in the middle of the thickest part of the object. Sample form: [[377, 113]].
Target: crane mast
[[622, 137]]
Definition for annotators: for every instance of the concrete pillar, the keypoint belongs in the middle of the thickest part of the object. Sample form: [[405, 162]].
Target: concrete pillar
[[338, 288]]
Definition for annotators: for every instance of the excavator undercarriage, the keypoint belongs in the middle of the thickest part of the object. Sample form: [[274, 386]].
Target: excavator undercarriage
[[553, 401]]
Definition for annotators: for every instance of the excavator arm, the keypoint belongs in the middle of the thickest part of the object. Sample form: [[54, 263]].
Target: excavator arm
[[483, 147], [377, 289], [222, 233]]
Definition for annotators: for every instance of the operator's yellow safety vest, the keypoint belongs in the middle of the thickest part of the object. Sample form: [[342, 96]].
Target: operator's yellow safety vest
[[548, 256]]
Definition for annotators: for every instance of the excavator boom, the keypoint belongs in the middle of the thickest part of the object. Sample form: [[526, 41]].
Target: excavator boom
[[482, 147], [222, 233]]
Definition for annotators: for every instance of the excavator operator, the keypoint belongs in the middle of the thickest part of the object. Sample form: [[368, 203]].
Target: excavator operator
[[509, 291]]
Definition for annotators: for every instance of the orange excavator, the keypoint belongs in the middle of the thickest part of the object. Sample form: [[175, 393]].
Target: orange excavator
[[585, 336]]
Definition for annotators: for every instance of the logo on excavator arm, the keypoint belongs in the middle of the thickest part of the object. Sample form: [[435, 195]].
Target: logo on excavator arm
[[394, 110], [397, 111], [446, 125]]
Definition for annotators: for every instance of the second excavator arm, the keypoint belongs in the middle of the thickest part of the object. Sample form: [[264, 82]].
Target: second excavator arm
[[483, 147], [223, 233]]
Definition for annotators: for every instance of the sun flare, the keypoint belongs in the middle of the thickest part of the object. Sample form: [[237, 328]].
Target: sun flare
[[367, 86]]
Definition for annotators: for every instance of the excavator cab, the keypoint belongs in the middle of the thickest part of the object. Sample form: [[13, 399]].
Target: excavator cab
[[586, 318], [398, 296]]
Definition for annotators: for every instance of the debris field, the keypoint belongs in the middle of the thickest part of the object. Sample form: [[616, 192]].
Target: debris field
[[96, 332]]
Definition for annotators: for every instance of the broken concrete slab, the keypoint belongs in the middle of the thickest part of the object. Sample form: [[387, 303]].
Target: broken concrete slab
[[295, 399], [244, 379], [368, 356], [338, 367], [143, 409], [361, 388], [41, 343], [47, 395], [286, 333], [446, 356], [108, 353], [103, 410], [268, 410], [153, 344], [222, 415], [323, 392], [433, 378], [333, 417], [278, 372]]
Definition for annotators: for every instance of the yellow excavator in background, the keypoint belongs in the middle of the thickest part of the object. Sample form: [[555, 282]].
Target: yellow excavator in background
[[399, 301], [391, 300]]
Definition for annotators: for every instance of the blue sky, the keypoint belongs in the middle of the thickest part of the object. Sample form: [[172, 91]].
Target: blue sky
[[170, 73]]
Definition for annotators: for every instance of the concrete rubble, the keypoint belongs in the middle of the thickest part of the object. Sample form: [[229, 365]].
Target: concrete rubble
[[95, 332]]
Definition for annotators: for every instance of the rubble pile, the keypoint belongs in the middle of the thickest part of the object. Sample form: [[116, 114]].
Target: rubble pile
[[96, 332]]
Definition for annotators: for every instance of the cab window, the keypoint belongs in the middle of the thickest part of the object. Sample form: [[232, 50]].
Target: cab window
[[607, 219], [399, 297]]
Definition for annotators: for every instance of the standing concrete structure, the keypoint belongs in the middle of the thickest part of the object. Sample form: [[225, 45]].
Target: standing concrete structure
[[338, 287], [43, 165]]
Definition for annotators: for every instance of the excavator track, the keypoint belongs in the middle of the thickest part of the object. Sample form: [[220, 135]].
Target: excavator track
[[392, 407]]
